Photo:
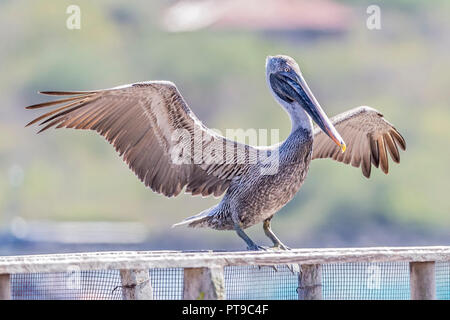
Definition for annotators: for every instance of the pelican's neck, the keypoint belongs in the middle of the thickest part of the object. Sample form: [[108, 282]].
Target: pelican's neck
[[299, 118]]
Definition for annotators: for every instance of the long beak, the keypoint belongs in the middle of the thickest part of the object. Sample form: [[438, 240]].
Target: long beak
[[292, 87]]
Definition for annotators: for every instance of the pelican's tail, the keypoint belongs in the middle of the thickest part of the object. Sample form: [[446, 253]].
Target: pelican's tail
[[198, 220], [208, 218]]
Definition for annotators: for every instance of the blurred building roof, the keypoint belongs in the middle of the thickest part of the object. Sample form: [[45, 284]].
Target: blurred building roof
[[257, 15]]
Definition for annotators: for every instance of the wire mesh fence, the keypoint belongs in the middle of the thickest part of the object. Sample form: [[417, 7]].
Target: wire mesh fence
[[339, 281], [260, 283], [167, 283], [367, 281], [443, 280], [73, 285]]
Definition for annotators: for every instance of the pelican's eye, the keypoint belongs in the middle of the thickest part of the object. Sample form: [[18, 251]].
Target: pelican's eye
[[287, 69]]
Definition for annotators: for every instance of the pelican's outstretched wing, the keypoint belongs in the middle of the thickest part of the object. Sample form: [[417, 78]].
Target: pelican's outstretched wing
[[368, 137], [147, 123]]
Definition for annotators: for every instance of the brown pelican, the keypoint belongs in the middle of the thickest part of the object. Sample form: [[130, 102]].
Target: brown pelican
[[147, 122]]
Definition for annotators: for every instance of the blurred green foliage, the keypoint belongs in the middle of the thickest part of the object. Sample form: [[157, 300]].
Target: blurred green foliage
[[402, 70]]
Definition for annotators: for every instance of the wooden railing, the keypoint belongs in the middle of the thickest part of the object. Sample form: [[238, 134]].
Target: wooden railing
[[203, 270]]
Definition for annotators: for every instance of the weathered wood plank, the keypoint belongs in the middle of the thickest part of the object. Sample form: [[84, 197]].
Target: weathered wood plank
[[5, 287], [136, 285], [422, 280], [310, 282], [204, 284], [204, 259]]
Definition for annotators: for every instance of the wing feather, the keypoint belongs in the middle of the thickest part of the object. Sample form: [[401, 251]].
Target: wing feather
[[384, 161], [369, 136], [139, 120]]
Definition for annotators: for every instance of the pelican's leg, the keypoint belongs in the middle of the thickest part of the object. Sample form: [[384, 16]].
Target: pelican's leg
[[250, 244], [269, 233]]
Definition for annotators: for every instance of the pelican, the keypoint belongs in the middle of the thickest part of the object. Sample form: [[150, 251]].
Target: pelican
[[147, 123]]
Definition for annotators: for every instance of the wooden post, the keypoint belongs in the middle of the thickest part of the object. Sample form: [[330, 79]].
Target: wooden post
[[422, 280], [310, 282], [5, 287], [136, 284], [204, 284]]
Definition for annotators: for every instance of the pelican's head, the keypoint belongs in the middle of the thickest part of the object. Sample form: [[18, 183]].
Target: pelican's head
[[291, 91]]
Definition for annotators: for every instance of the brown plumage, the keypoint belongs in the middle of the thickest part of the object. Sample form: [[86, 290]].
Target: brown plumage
[[169, 149], [140, 120], [368, 135]]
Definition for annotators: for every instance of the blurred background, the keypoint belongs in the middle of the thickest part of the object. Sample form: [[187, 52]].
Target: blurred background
[[67, 191]]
